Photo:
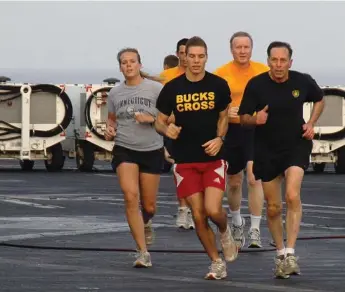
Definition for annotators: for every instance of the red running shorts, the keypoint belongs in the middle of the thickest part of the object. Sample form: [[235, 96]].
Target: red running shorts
[[191, 178]]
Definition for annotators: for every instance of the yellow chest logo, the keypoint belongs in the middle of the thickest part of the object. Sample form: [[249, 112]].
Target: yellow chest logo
[[295, 93], [195, 101]]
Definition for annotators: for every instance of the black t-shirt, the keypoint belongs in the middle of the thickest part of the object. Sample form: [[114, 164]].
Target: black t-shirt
[[284, 126], [196, 106]]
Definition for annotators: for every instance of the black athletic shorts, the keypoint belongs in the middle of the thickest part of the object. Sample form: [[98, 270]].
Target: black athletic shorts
[[238, 147], [148, 161], [269, 166]]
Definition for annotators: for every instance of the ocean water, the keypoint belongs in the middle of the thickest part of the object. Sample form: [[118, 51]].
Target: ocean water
[[97, 75]]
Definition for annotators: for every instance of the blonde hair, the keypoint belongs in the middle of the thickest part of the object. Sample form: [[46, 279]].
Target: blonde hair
[[142, 73]]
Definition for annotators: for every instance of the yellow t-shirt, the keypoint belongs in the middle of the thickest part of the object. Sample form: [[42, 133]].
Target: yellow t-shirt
[[238, 78], [170, 74]]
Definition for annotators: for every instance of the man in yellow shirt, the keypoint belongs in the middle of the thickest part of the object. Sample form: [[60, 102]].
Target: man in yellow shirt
[[171, 73], [170, 61], [239, 142], [184, 215]]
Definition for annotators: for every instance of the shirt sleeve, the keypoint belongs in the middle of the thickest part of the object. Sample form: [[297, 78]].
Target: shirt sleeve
[[110, 103], [314, 93], [224, 96], [165, 100], [163, 77], [217, 72], [220, 72], [249, 101]]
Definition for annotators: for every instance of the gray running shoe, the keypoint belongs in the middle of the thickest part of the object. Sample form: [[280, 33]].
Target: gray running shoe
[[143, 260], [217, 270], [291, 265], [238, 234], [279, 271], [184, 218], [254, 238], [190, 221], [229, 247]]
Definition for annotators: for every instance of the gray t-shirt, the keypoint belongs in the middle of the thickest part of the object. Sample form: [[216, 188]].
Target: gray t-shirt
[[124, 101]]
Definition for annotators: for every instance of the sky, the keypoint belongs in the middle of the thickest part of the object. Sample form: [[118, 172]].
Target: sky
[[77, 42]]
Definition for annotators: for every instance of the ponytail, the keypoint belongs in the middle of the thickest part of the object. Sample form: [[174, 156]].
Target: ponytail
[[150, 77]]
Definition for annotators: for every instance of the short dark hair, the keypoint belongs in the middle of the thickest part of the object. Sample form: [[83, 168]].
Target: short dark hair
[[196, 42], [181, 42], [240, 34], [171, 61], [279, 44]]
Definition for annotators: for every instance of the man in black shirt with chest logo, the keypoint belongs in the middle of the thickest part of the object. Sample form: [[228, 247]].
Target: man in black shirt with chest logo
[[273, 103], [199, 101]]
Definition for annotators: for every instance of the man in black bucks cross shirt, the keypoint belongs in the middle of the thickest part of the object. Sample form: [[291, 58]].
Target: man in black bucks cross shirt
[[273, 102], [199, 101]]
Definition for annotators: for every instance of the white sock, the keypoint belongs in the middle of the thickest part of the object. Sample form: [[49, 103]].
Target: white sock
[[255, 222], [289, 250], [236, 217], [183, 208], [281, 252]]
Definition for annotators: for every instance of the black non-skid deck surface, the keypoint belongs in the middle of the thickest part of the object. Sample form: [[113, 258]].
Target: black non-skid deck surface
[[73, 209]]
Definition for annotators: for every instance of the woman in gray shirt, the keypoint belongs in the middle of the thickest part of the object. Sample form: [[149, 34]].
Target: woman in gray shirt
[[138, 154]]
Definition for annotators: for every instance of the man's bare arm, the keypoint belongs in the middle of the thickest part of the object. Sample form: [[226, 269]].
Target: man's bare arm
[[161, 123], [223, 123], [213, 146], [317, 111], [247, 120]]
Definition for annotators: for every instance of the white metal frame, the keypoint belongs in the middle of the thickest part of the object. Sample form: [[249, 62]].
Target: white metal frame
[[74, 91], [26, 147], [79, 95], [95, 114], [25, 90], [325, 151]]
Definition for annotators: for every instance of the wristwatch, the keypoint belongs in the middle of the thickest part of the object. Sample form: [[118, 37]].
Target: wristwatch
[[222, 138]]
